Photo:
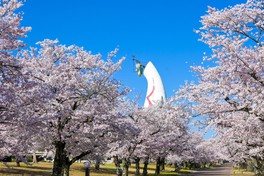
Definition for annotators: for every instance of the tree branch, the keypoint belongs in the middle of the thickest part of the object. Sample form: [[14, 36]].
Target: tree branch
[[79, 156]]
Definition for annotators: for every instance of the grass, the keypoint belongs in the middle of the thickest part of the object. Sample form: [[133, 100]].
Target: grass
[[77, 169], [238, 172]]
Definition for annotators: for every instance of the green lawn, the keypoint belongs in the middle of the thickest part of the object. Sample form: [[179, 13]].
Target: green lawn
[[238, 172], [77, 169]]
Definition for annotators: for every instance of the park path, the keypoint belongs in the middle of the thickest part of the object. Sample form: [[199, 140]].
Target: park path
[[224, 170]]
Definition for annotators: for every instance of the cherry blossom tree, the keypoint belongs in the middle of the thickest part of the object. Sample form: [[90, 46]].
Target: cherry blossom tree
[[62, 95], [160, 130], [80, 113], [229, 93], [196, 152], [169, 132], [11, 79], [208, 151]]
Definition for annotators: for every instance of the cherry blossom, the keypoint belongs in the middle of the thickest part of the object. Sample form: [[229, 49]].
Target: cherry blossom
[[229, 93]]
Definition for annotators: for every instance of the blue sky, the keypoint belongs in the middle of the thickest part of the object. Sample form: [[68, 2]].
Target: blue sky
[[152, 30]]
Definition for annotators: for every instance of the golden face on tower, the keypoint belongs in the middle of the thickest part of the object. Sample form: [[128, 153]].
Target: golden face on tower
[[139, 69]]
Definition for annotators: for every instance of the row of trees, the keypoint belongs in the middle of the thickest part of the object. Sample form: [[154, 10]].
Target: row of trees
[[65, 99], [230, 93], [163, 136]]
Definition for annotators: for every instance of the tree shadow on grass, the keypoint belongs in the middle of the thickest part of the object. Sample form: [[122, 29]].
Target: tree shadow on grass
[[141, 167], [18, 172], [37, 168], [104, 171], [164, 174]]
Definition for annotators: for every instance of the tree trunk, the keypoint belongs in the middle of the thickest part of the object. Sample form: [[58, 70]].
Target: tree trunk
[[162, 165], [116, 161], [17, 162], [145, 168], [249, 167], [176, 167], [184, 165], [125, 166], [259, 166], [137, 166], [59, 160], [190, 166], [66, 170], [158, 162], [97, 165], [119, 170]]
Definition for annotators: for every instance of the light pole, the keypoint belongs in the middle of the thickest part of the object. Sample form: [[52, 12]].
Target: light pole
[[119, 171], [87, 165]]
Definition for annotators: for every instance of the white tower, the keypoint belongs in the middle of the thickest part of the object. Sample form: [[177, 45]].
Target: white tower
[[155, 91]]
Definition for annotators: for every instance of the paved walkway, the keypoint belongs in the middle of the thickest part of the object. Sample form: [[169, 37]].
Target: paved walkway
[[224, 170]]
